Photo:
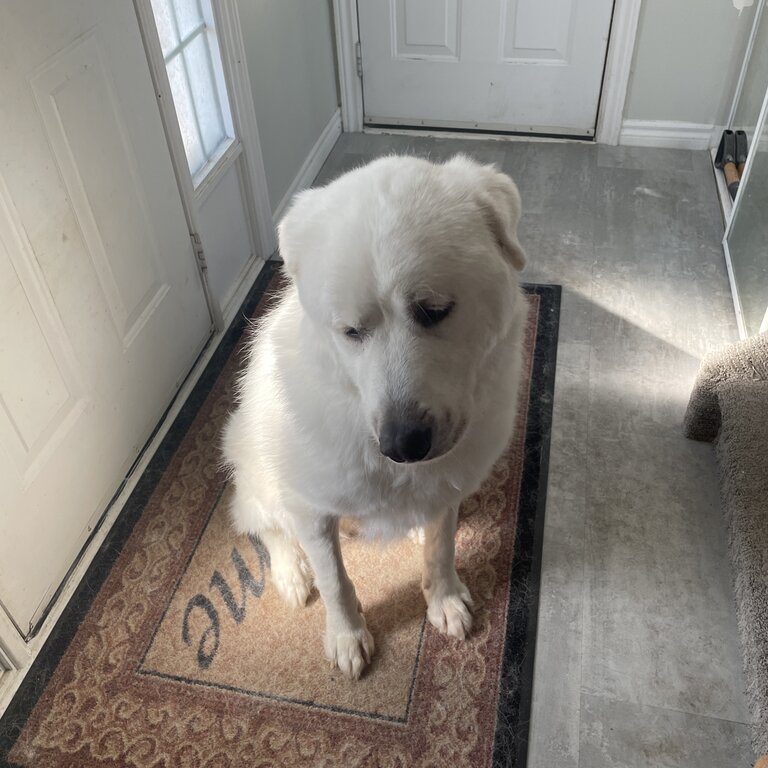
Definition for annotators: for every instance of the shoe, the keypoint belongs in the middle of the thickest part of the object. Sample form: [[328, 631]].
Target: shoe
[[725, 160], [742, 150], [726, 151]]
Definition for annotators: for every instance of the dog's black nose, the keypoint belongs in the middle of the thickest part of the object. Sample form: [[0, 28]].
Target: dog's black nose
[[405, 442]]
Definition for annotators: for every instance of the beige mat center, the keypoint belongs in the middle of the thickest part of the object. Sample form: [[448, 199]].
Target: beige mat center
[[226, 625]]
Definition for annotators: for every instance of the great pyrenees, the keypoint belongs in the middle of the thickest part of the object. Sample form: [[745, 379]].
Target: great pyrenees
[[383, 386]]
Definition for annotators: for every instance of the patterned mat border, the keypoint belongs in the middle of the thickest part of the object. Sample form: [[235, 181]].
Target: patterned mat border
[[510, 747]]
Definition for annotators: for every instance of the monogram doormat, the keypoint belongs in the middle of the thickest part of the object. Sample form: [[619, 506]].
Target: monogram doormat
[[176, 651]]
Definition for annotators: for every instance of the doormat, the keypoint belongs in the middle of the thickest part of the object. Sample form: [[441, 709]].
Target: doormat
[[176, 651]]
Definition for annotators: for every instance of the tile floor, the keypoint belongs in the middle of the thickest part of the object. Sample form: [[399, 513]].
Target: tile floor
[[638, 662]]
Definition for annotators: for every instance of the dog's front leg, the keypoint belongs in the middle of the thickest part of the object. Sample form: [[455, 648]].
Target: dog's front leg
[[348, 643], [448, 600]]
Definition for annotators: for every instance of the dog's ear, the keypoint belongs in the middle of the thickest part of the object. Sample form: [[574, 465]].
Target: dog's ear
[[500, 202], [294, 228], [502, 211]]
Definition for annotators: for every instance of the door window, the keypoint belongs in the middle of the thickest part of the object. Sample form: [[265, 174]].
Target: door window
[[193, 61]]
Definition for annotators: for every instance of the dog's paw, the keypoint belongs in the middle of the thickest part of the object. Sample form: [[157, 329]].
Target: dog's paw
[[448, 610], [292, 578], [350, 650]]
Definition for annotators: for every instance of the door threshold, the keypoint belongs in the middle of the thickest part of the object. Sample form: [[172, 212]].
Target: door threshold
[[475, 134]]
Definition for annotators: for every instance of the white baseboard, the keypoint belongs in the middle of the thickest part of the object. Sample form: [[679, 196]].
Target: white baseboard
[[669, 134], [313, 163]]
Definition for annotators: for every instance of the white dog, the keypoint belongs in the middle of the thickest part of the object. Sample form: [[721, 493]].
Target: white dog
[[383, 386]]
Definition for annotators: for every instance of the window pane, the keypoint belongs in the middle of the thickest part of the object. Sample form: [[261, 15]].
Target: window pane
[[218, 73], [186, 115], [188, 16], [204, 93], [188, 38], [166, 28]]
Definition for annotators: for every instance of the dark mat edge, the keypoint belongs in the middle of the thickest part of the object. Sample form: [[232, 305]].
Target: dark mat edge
[[516, 680]]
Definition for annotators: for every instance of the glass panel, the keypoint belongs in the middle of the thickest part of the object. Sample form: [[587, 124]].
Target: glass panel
[[185, 113], [188, 16], [166, 28], [193, 61], [748, 240], [755, 82], [204, 94], [218, 71]]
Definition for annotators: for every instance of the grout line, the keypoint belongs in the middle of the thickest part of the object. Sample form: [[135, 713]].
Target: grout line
[[615, 700]]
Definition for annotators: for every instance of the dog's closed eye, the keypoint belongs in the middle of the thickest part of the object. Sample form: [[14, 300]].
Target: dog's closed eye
[[427, 316], [354, 334]]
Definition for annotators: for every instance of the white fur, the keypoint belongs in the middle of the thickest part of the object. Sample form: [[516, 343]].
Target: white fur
[[303, 443]]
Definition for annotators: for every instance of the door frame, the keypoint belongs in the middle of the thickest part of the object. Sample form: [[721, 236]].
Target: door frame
[[613, 94], [253, 179]]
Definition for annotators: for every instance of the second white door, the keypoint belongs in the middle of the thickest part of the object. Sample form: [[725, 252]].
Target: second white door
[[532, 66]]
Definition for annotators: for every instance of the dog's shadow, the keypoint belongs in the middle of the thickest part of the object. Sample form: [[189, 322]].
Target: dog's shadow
[[405, 606]]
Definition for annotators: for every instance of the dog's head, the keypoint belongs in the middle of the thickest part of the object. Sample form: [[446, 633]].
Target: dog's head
[[408, 268]]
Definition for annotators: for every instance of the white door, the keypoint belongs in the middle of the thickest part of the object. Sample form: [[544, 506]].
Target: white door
[[102, 313], [501, 65]]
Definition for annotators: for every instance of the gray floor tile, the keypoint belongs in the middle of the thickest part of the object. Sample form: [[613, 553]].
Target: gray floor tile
[[703, 265], [623, 735], [440, 150], [555, 180], [644, 158], [575, 312], [556, 255], [648, 333], [653, 214], [573, 357], [567, 484], [659, 613], [625, 405], [370, 145], [554, 736], [338, 164]]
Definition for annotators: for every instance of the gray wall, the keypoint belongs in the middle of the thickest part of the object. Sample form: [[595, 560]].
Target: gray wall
[[687, 59], [289, 46]]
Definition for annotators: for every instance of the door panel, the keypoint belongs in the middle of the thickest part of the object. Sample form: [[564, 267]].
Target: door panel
[[34, 409], [223, 223], [102, 311], [538, 31], [507, 65], [99, 169], [426, 29]]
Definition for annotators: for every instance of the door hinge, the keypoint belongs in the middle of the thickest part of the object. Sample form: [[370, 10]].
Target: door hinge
[[197, 245], [359, 59]]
